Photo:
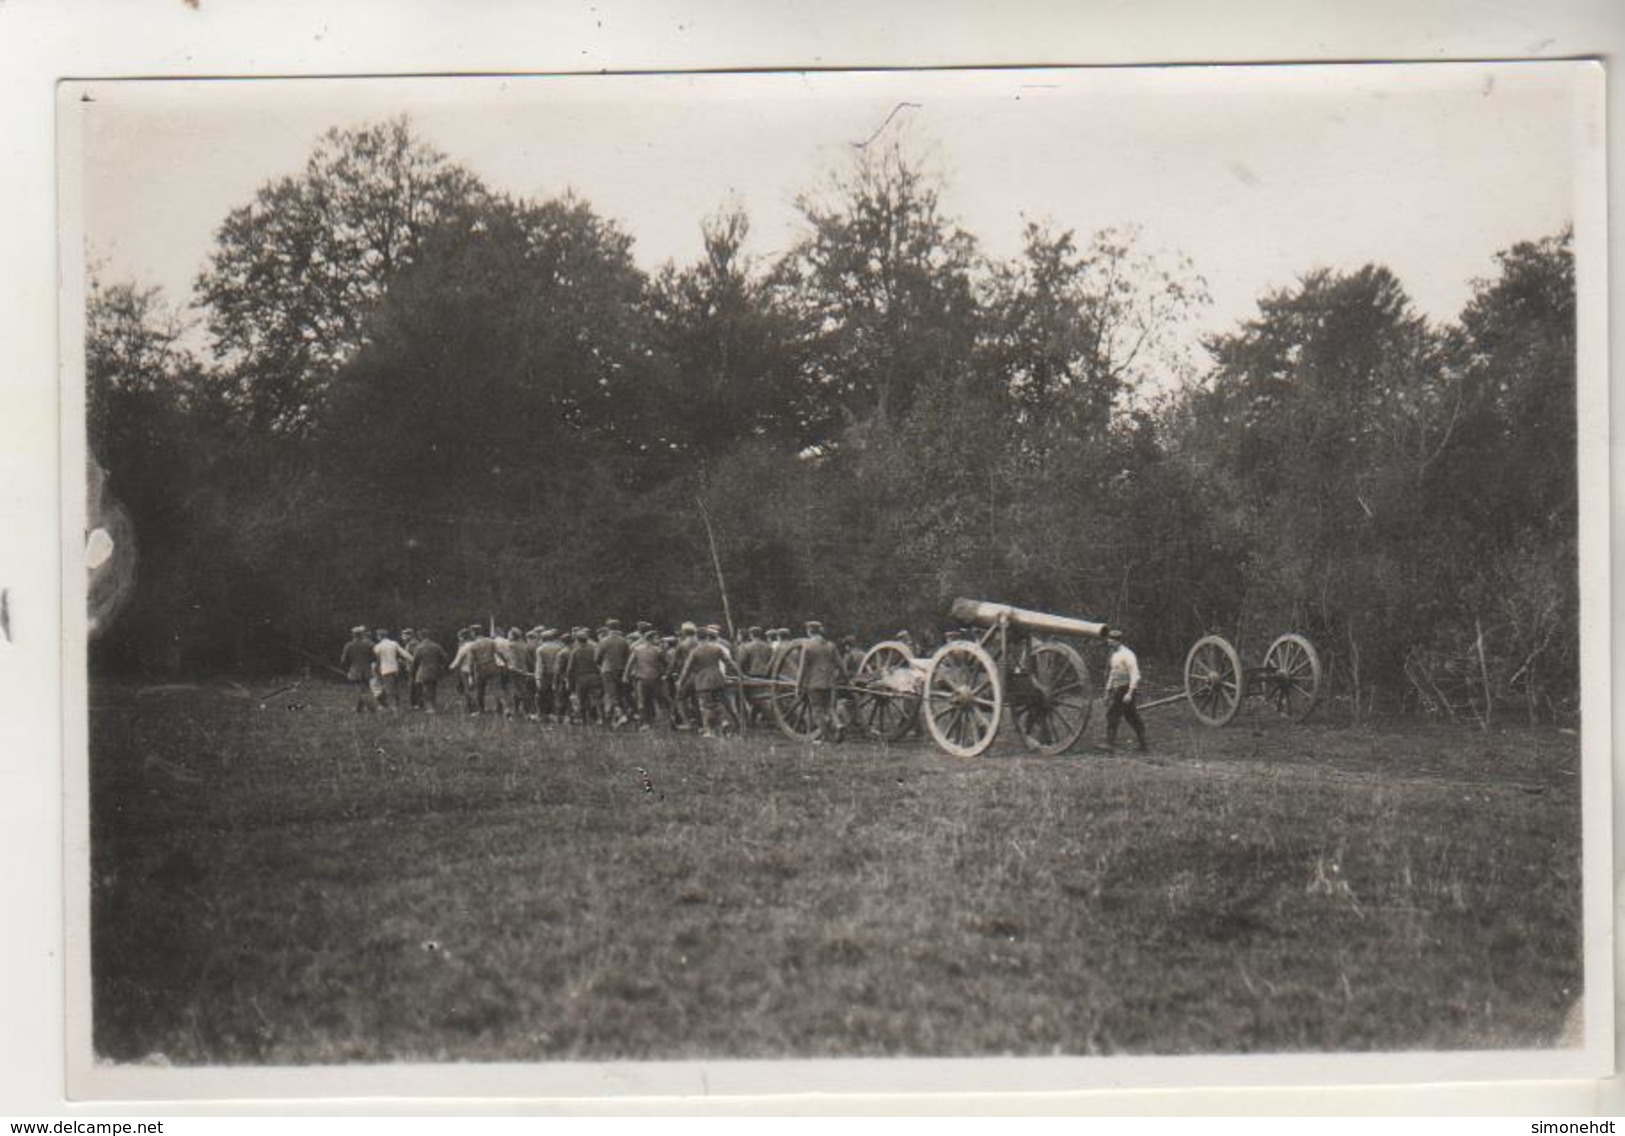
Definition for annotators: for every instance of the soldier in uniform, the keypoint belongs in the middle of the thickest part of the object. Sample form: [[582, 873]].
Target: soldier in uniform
[[706, 670], [645, 664], [668, 679], [548, 704], [685, 711], [389, 656], [501, 646], [356, 659], [428, 664], [755, 655], [779, 645], [613, 654], [821, 672], [409, 648], [484, 664], [524, 674], [586, 686]]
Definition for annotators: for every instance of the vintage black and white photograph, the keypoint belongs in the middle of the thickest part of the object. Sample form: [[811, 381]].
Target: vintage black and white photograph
[[759, 567]]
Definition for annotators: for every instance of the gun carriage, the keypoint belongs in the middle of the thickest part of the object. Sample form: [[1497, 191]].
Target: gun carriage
[[1021, 668], [1216, 683]]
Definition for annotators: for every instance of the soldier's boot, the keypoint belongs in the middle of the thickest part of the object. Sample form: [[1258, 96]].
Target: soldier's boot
[[1111, 736]]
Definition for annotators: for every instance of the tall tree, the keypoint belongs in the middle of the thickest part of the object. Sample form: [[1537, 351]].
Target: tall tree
[[295, 273], [495, 409], [1501, 489], [1311, 418], [883, 280], [1508, 467], [1072, 332], [728, 348], [133, 358]]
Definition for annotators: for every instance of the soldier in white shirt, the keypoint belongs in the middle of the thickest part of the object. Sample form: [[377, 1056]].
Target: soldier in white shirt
[[392, 660], [1122, 687]]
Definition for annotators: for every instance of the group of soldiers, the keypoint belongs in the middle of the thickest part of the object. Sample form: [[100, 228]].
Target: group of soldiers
[[696, 678]]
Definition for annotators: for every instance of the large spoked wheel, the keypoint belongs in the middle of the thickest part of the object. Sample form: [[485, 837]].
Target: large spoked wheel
[[888, 691], [964, 697], [1292, 676], [791, 710], [1054, 710], [1214, 684], [757, 693]]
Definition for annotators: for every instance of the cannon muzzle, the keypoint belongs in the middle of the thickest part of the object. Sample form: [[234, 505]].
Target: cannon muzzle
[[985, 614]]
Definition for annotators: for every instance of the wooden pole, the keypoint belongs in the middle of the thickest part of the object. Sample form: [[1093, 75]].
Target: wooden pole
[[716, 563], [1483, 672]]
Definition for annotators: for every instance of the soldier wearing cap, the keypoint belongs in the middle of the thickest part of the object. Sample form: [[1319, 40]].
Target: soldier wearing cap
[[357, 659], [613, 654], [706, 670], [549, 704], [410, 638], [428, 664], [387, 656], [462, 666], [586, 685], [1122, 688], [522, 667], [504, 653], [483, 665], [778, 643], [685, 711], [645, 664], [821, 672], [754, 657]]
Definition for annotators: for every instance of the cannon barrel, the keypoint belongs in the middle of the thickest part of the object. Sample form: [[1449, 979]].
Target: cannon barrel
[[985, 614]]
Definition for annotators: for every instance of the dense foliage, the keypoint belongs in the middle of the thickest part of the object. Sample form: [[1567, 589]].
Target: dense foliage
[[427, 402]]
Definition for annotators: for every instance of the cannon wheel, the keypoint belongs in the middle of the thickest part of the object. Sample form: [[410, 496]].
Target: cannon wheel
[[885, 711], [963, 699], [1292, 678], [1214, 680], [1054, 716], [791, 710]]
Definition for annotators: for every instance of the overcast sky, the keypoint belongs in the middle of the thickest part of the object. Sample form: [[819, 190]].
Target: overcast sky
[[1257, 175]]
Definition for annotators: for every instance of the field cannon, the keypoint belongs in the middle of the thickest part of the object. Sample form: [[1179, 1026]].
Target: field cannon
[[1021, 667], [968, 684], [1045, 683]]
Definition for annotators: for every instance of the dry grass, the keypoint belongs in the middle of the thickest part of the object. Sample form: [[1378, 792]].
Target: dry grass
[[295, 883]]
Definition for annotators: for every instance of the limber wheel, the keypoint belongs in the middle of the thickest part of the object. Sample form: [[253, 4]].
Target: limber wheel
[[1054, 708], [791, 710], [964, 697], [1213, 680], [1291, 679], [888, 691]]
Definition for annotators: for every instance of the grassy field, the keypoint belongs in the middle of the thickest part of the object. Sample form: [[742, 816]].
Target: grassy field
[[291, 883]]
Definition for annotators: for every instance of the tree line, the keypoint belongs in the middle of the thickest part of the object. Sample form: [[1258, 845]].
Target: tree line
[[423, 400]]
